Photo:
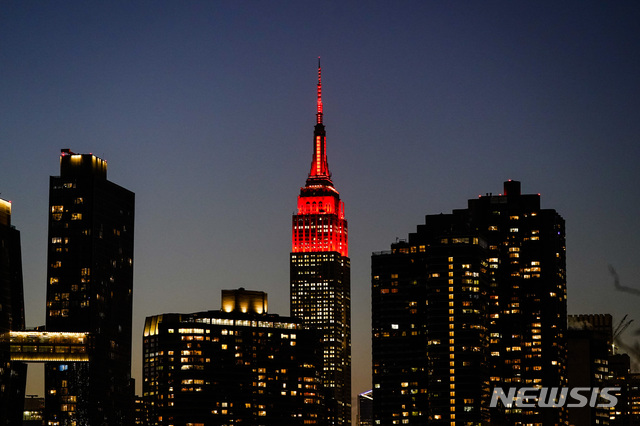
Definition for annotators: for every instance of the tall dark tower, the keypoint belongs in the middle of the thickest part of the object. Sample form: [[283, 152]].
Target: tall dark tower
[[89, 289], [13, 374], [472, 301], [320, 274], [527, 267]]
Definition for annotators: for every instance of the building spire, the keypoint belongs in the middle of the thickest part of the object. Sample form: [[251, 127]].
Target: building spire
[[319, 174], [319, 113]]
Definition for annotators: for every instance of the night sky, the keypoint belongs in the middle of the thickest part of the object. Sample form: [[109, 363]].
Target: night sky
[[205, 109]]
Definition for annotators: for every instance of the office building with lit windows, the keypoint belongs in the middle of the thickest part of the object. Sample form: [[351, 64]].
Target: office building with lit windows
[[238, 365], [13, 374], [89, 290], [473, 300], [320, 274], [627, 411]]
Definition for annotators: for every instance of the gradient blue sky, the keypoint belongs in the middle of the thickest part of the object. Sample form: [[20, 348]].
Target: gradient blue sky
[[205, 109]]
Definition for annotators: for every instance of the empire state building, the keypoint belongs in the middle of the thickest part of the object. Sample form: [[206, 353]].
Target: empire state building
[[320, 274]]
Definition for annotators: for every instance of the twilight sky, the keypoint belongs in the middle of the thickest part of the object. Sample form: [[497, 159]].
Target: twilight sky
[[205, 109]]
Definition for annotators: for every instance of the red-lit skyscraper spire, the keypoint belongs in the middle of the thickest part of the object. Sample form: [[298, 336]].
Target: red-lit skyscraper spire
[[319, 114], [319, 173], [320, 275], [320, 225]]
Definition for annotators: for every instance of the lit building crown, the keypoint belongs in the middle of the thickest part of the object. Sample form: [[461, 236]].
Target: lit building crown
[[319, 225], [319, 173]]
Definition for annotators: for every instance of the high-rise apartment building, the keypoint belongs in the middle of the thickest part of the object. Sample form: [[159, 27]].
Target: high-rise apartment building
[[238, 365], [430, 327], [12, 373], [473, 300], [627, 410], [320, 274], [89, 289], [527, 266]]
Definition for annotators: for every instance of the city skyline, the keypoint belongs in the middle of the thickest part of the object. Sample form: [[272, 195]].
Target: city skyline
[[208, 120]]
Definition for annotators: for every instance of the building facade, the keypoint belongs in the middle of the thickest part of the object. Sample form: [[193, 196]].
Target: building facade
[[430, 298], [589, 343], [239, 365], [320, 274], [365, 408], [33, 414], [627, 411], [473, 300], [12, 373], [528, 321], [89, 290]]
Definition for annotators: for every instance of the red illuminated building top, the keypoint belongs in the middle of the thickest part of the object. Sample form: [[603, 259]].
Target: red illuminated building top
[[319, 225], [319, 173]]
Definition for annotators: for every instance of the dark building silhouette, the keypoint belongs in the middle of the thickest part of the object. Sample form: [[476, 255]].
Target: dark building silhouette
[[589, 340], [627, 411], [33, 414], [89, 289], [141, 412], [13, 374], [320, 274], [527, 266], [239, 365], [365, 408], [473, 300], [430, 327], [619, 375]]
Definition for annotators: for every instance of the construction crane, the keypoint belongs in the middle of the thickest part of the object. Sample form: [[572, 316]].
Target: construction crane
[[620, 328]]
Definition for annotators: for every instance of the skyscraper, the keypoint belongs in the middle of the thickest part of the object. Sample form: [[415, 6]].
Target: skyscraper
[[589, 346], [238, 365], [473, 300], [12, 373], [320, 273], [89, 289], [527, 268], [429, 317]]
